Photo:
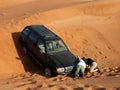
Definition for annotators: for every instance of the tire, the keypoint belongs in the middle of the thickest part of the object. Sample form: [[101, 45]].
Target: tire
[[48, 72], [25, 50]]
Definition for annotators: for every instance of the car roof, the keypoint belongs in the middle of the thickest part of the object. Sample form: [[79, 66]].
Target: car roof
[[43, 32]]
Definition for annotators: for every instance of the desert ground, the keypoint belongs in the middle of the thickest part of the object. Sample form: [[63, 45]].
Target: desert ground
[[89, 27]]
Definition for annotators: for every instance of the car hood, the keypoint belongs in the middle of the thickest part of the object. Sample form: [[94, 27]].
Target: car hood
[[63, 59]]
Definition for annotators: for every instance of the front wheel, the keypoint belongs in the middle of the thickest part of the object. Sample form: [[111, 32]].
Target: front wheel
[[48, 72]]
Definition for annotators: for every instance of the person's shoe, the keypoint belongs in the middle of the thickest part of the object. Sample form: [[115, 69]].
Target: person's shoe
[[98, 71], [82, 77], [76, 77]]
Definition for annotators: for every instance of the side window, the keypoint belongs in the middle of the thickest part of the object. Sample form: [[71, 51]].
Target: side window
[[33, 37], [41, 46], [26, 31]]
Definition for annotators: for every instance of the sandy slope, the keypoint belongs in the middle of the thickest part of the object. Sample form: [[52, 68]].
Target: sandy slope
[[28, 81], [7, 3], [89, 28], [30, 7]]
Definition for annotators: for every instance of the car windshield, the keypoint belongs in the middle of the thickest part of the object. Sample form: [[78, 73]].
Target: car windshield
[[55, 46]]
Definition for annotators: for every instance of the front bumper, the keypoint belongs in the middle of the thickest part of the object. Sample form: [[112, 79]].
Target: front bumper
[[65, 70]]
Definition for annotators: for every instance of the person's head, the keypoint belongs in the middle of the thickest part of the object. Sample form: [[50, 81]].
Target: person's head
[[83, 58]]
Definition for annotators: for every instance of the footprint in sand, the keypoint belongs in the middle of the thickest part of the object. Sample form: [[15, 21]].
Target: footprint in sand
[[60, 78], [88, 88], [116, 88], [100, 89], [37, 88], [112, 74], [51, 85], [78, 88], [100, 52], [3, 14]]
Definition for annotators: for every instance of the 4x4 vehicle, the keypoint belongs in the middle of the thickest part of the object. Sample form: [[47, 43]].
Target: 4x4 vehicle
[[47, 49]]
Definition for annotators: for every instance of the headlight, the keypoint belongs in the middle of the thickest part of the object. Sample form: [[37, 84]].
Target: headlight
[[60, 69]]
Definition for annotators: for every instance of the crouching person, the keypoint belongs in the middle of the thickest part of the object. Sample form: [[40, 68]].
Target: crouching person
[[92, 64], [80, 68]]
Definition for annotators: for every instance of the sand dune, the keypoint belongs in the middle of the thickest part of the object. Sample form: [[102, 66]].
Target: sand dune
[[29, 81], [89, 27]]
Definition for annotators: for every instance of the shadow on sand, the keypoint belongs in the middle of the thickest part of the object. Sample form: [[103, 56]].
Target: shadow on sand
[[29, 64]]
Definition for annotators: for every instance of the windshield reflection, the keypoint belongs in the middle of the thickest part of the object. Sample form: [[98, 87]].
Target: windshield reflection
[[55, 46]]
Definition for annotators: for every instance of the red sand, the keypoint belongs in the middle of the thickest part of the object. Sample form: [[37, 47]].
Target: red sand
[[89, 27]]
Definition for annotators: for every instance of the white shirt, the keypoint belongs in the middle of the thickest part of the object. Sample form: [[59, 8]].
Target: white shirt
[[82, 63]]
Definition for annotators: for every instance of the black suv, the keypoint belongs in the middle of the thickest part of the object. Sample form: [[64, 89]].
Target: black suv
[[48, 50]]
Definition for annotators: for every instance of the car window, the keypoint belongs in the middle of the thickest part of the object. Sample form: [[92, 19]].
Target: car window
[[33, 37], [55, 46], [41, 46], [26, 31]]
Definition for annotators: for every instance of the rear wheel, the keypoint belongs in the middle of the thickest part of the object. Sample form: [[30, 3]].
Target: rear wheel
[[25, 50]]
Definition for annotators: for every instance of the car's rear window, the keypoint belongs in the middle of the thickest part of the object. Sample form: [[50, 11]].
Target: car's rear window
[[26, 31], [33, 37]]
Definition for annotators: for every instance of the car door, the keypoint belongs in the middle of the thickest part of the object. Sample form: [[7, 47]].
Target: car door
[[37, 48], [41, 52], [32, 39]]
